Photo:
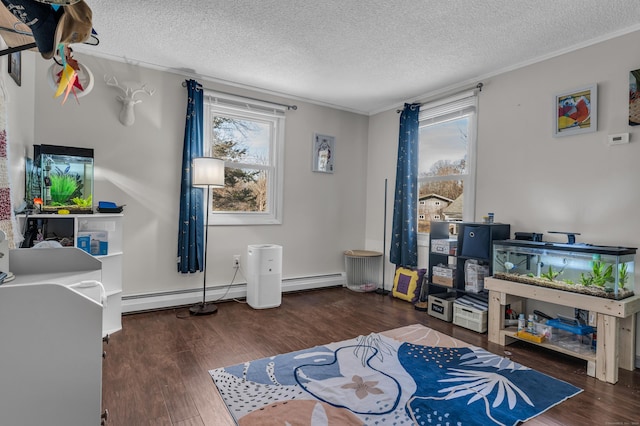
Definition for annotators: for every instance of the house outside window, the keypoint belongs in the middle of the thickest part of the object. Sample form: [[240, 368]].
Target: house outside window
[[446, 175], [249, 137]]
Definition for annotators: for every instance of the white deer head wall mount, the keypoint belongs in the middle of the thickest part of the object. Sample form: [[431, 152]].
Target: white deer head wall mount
[[126, 114]]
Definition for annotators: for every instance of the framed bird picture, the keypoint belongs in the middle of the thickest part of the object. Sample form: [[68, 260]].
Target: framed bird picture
[[576, 111]]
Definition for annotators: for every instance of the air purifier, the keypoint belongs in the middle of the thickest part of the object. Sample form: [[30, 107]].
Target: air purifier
[[264, 276]]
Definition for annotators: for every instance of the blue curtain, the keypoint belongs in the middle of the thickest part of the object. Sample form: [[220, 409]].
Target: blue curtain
[[191, 225], [404, 234]]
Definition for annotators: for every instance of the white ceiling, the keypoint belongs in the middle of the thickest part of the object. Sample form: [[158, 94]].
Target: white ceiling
[[365, 56]]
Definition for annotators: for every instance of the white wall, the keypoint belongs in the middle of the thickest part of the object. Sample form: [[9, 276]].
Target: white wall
[[530, 179], [140, 166], [20, 119], [381, 165], [574, 183]]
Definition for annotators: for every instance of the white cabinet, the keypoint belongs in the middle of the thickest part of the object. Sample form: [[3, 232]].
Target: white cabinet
[[66, 229], [50, 333]]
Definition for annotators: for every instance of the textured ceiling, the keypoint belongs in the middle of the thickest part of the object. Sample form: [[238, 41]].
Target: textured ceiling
[[362, 56]]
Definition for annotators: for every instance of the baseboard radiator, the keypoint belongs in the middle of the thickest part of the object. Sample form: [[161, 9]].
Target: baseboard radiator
[[162, 300]]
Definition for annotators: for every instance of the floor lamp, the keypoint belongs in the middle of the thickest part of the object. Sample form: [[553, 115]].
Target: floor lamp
[[206, 172]]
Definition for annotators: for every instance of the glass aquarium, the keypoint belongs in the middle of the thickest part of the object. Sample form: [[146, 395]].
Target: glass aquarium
[[600, 271], [60, 177]]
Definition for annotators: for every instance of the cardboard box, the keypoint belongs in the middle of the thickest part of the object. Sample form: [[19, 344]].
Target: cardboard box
[[443, 275], [84, 243], [447, 282], [441, 306], [98, 242], [444, 246]]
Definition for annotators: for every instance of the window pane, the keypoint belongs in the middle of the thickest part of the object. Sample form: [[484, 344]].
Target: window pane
[[443, 200], [241, 140], [245, 190], [444, 147]]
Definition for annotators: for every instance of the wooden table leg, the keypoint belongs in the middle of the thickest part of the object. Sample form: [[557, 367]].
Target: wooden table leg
[[607, 348], [627, 343], [496, 318]]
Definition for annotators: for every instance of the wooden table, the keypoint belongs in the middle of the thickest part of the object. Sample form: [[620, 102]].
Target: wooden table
[[616, 325]]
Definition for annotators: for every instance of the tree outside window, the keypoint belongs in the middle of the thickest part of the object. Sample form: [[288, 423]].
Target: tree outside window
[[250, 144]]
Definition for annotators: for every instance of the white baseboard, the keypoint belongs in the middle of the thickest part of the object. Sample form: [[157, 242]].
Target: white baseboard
[[162, 300]]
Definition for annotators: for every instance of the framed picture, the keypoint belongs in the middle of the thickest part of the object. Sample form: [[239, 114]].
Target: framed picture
[[634, 98], [323, 153], [576, 111], [15, 67]]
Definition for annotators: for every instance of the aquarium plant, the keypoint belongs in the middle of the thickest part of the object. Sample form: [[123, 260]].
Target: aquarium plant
[[64, 186], [623, 275], [600, 274], [550, 275], [83, 202]]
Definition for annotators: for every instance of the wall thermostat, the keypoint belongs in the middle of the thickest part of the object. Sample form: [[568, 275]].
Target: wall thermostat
[[618, 139]]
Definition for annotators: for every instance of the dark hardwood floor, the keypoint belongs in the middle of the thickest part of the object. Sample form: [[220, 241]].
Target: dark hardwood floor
[[156, 369]]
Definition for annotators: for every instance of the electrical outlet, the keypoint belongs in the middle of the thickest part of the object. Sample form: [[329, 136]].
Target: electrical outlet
[[236, 261]]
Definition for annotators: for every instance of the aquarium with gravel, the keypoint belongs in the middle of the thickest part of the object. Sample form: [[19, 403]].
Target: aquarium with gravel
[[601, 271], [60, 178]]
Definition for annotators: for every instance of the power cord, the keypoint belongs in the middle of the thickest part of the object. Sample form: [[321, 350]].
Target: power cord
[[183, 315]]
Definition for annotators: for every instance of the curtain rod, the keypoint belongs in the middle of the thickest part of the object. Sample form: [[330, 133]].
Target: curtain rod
[[293, 107], [477, 86]]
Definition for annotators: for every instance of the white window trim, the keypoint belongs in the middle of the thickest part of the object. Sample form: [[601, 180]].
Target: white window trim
[[432, 110], [242, 107]]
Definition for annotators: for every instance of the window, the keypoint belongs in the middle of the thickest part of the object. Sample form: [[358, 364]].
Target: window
[[249, 137], [446, 170]]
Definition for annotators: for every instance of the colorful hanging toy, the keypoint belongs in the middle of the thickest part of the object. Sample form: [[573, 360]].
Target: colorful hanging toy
[[68, 77]]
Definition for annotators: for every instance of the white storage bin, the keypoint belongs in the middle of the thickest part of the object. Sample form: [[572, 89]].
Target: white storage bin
[[471, 318], [441, 306]]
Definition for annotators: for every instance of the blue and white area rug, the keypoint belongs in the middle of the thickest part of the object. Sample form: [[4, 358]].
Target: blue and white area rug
[[407, 376]]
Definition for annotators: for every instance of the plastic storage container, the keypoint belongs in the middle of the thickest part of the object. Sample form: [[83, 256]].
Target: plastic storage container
[[441, 306], [578, 338], [600, 271], [469, 317]]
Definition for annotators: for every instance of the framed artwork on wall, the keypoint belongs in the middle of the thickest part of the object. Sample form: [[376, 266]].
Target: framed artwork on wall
[[576, 111], [323, 153], [15, 67], [634, 98]]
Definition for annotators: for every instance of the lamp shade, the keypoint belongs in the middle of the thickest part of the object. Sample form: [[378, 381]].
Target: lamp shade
[[207, 171]]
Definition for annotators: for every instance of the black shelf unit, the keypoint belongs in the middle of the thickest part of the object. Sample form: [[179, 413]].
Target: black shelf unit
[[446, 229]]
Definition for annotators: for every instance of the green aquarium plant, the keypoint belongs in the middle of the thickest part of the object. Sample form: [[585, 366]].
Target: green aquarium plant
[[600, 275], [83, 202], [586, 280], [623, 275], [62, 188], [550, 274]]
